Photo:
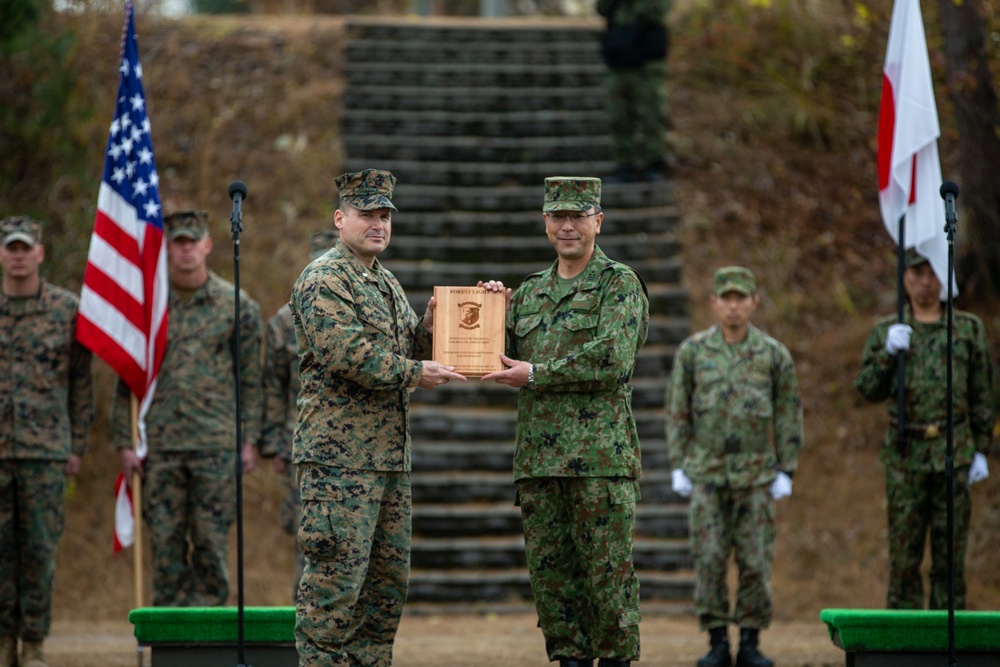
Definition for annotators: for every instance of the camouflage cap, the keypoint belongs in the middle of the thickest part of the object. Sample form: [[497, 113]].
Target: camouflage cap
[[913, 258], [734, 279], [367, 190], [321, 241], [188, 223], [571, 193], [20, 228]]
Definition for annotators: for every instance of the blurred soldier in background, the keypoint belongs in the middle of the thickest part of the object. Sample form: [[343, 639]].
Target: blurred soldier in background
[[46, 409], [281, 389], [734, 430], [190, 475], [915, 484], [635, 49], [573, 333]]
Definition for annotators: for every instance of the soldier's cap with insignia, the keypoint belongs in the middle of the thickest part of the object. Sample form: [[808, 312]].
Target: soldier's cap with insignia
[[913, 258], [734, 279], [20, 228], [571, 193], [188, 223], [321, 241], [367, 190]]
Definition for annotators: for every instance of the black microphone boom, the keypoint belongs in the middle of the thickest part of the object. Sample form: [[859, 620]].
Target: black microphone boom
[[949, 192], [240, 188], [237, 192]]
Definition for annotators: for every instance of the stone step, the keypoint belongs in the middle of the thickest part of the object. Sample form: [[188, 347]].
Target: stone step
[[494, 519], [462, 585], [647, 392], [664, 300], [426, 274], [436, 123], [539, 32], [488, 553], [644, 252], [477, 148], [526, 53], [518, 198], [474, 75], [465, 99], [619, 218], [462, 486], [497, 456]]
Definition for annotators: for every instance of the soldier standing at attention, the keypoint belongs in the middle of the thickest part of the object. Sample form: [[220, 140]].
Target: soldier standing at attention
[[915, 484], [46, 409], [635, 51], [190, 475], [734, 430], [573, 333], [359, 345], [281, 390]]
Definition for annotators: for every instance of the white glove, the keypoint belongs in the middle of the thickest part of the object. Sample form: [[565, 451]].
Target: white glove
[[898, 338], [979, 470], [781, 487], [680, 483]]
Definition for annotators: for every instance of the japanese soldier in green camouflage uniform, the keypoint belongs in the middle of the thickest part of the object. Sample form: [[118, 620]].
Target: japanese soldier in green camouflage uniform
[[734, 430], [359, 345], [635, 90], [573, 333], [281, 390], [914, 468], [190, 476], [46, 409]]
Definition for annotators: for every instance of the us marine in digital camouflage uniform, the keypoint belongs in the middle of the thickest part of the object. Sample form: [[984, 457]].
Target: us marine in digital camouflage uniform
[[734, 430], [914, 480], [189, 487], [46, 409], [635, 93], [281, 390], [359, 344], [573, 334]]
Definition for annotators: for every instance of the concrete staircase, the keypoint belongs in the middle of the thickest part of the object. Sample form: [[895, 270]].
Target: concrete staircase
[[471, 118]]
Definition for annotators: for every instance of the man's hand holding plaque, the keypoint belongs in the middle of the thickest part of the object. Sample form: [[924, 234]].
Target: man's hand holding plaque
[[468, 326]]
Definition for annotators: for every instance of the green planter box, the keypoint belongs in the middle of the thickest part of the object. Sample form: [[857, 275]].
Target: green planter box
[[884, 638], [207, 636]]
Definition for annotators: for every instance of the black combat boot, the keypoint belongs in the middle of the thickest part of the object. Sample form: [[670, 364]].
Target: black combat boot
[[749, 655], [575, 662], [718, 655], [608, 662]]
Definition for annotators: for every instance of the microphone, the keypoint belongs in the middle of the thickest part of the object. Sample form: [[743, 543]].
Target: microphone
[[949, 192], [237, 192]]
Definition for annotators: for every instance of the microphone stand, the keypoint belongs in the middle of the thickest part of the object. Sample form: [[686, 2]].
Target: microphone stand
[[238, 192], [949, 191]]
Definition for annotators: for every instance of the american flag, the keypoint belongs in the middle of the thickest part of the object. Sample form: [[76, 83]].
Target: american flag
[[123, 304]]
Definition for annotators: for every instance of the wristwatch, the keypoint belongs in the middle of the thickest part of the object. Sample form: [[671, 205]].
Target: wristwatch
[[530, 384]]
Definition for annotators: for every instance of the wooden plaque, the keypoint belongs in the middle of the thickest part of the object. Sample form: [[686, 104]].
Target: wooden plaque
[[469, 329]]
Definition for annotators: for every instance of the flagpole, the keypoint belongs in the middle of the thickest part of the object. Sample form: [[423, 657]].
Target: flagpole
[[136, 504], [901, 355]]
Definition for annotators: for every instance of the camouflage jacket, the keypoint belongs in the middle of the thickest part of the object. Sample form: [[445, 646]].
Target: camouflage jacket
[[281, 385], [577, 421], [46, 390], [194, 406], [926, 389], [359, 342], [734, 413]]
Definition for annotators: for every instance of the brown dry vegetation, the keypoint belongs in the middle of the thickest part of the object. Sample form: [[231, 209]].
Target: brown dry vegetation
[[775, 170]]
